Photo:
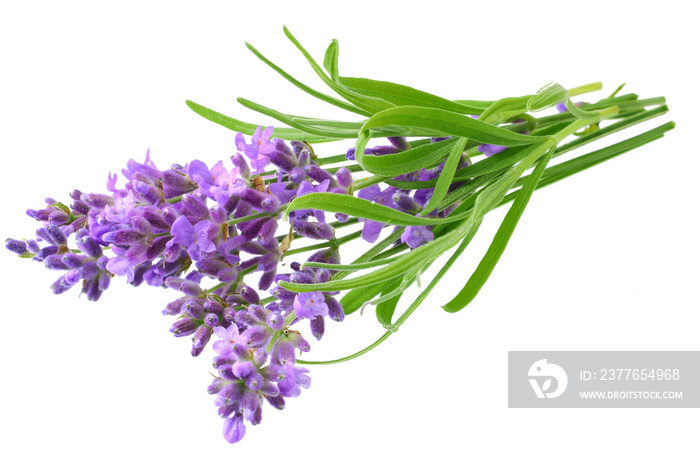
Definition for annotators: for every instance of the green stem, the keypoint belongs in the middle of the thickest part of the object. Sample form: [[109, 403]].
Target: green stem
[[334, 243]]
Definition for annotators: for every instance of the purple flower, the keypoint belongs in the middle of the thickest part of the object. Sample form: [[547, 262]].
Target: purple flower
[[415, 236], [234, 429], [260, 146], [372, 229], [229, 337], [310, 305], [295, 379], [195, 238]]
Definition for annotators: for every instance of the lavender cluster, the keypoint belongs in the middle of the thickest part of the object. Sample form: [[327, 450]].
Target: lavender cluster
[[182, 227]]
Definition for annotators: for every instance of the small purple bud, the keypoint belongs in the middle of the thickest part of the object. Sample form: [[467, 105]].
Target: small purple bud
[[405, 203], [155, 218], [304, 157], [141, 225], [89, 246], [244, 319], [275, 321], [184, 326], [240, 163], [314, 230], [266, 280], [218, 214], [188, 287], [46, 252], [92, 290], [282, 157], [211, 320], [80, 207], [103, 281], [258, 313], [56, 235], [195, 207], [318, 327], [335, 310], [33, 246], [270, 203], [400, 143], [216, 385], [200, 339], [16, 246], [344, 177], [253, 197], [229, 315], [72, 260], [61, 286], [89, 270], [213, 306], [170, 215], [193, 309], [297, 175], [258, 336], [59, 217], [54, 262], [254, 382], [99, 201], [320, 175], [173, 308], [276, 401], [250, 295], [302, 277]]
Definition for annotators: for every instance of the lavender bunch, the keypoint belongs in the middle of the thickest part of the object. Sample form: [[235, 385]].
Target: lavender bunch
[[219, 234]]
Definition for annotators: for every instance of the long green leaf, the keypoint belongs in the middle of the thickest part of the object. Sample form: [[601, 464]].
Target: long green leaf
[[369, 104], [289, 134], [330, 60], [401, 95], [407, 161], [350, 267], [336, 133], [385, 309], [498, 245], [309, 90], [357, 297], [447, 124], [445, 179], [361, 208]]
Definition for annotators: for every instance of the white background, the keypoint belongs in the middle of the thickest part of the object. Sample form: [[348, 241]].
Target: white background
[[603, 261]]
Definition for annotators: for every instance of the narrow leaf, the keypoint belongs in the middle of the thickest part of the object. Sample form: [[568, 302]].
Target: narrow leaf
[[498, 245], [401, 95], [319, 95], [447, 123], [445, 179], [406, 161], [288, 134], [361, 208]]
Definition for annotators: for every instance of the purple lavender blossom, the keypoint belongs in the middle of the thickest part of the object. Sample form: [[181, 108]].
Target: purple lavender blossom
[[310, 305], [371, 228], [194, 238], [416, 236], [260, 146]]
